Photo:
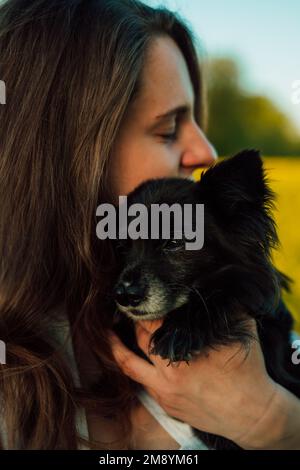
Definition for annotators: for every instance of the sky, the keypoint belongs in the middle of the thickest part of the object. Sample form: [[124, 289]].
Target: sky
[[263, 35]]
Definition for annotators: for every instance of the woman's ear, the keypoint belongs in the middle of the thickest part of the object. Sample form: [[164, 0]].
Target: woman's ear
[[235, 184]]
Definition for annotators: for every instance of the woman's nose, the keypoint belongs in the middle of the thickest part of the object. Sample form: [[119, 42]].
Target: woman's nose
[[198, 153]]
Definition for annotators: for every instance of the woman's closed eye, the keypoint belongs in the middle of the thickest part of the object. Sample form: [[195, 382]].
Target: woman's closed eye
[[171, 136]]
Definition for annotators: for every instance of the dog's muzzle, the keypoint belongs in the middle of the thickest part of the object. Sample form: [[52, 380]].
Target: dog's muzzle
[[129, 294]]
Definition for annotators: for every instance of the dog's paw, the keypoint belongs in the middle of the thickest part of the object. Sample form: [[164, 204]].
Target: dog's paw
[[177, 344]]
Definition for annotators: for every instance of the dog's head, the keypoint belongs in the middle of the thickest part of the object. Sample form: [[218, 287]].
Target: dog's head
[[160, 275]]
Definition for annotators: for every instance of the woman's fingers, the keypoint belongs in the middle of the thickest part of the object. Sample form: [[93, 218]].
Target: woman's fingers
[[132, 365], [143, 331], [143, 337], [150, 325]]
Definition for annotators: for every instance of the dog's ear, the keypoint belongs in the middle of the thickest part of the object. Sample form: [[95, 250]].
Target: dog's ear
[[236, 183]]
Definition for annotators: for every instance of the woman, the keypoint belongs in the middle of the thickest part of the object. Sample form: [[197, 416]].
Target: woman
[[86, 82]]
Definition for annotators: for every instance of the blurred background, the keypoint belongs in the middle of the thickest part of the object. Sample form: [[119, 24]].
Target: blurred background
[[250, 54]]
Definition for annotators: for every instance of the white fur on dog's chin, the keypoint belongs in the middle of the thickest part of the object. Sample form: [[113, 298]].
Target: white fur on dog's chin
[[145, 310]]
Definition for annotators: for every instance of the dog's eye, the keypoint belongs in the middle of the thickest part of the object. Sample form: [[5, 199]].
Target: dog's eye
[[172, 245]]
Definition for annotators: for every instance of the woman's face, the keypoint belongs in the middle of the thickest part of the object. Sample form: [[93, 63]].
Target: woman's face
[[145, 147]]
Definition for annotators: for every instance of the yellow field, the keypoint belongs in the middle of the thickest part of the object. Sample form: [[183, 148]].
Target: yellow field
[[284, 177]]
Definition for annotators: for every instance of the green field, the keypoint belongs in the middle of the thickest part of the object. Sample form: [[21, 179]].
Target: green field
[[284, 178]]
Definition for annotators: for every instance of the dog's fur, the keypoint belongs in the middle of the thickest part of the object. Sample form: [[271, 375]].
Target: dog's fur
[[203, 294]]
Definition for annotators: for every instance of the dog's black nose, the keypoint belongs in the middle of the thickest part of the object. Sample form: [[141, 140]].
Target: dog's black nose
[[129, 294]]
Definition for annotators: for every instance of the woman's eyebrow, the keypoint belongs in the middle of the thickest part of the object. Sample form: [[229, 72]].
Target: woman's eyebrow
[[182, 109]]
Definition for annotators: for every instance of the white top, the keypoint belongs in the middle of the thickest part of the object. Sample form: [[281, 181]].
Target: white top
[[181, 432]]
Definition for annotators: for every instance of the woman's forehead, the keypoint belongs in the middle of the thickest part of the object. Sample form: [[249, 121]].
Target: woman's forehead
[[166, 81]]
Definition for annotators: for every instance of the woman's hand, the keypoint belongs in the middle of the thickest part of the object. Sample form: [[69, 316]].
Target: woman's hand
[[224, 392]]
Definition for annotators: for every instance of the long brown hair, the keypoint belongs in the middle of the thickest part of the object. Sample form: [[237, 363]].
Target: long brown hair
[[71, 69]]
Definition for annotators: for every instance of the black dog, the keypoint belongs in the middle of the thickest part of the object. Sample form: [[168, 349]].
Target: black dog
[[201, 294]]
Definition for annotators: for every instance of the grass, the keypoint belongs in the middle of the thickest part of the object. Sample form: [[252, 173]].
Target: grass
[[284, 178]]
